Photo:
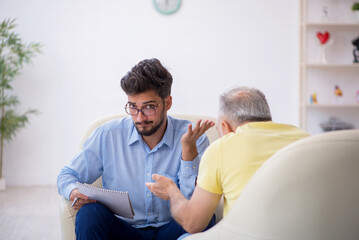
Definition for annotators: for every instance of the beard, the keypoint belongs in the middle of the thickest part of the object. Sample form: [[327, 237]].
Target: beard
[[153, 129]]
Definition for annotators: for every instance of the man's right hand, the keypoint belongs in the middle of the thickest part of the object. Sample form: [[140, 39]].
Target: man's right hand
[[82, 199], [163, 186]]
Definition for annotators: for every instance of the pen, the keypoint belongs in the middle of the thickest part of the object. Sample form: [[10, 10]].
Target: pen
[[73, 203]]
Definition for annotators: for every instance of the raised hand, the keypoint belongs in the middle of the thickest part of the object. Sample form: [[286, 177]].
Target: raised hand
[[188, 140]]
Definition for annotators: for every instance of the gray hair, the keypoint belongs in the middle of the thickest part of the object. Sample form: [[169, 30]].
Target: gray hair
[[244, 104]]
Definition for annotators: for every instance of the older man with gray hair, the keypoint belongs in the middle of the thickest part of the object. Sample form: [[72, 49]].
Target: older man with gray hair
[[249, 138]]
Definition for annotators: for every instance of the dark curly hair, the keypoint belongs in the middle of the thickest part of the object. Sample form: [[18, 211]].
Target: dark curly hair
[[148, 74]]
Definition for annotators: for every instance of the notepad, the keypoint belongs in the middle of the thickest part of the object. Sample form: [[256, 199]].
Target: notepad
[[117, 201]]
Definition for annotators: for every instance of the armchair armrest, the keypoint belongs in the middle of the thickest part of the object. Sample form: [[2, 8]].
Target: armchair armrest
[[68, 215], [67, 219]]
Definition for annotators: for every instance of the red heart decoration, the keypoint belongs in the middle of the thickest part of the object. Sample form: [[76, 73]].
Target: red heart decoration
[[323, 37]]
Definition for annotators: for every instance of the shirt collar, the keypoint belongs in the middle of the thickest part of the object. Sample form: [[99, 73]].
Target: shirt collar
[[254, 125], [167, 139], [134, 136]]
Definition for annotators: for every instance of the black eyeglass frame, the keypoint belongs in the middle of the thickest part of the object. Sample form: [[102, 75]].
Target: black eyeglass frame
[[143, 110]]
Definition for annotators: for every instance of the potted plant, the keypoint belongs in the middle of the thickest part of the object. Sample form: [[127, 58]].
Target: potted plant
[[355, 8], [13, 55]]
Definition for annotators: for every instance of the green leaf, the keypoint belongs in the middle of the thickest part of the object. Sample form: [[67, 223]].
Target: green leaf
[[9, 101], [10, 123], [14, 53]]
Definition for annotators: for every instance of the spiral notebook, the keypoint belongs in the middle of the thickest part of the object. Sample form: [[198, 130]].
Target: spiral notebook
[[118, 202]]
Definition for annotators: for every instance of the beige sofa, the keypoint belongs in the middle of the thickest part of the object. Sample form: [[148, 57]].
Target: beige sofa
[[68, 215], [307, 190]]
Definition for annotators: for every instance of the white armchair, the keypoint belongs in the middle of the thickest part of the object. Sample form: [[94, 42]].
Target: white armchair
[[68, 215], [307, 190]]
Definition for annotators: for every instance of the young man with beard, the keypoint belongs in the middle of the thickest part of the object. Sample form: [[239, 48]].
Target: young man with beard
[[126, 152]]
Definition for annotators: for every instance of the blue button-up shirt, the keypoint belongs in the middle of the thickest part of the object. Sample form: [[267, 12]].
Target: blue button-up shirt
[[117, 152]]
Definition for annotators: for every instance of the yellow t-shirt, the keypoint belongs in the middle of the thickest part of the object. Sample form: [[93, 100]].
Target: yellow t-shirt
[[229, 163]]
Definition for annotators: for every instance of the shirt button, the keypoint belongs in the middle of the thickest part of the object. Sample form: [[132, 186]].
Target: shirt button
[[148, 194], [148, 174], [149, 214]]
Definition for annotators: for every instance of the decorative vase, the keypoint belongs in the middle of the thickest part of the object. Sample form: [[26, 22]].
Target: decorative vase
[[324, 41], [322, 55], [2, 184]]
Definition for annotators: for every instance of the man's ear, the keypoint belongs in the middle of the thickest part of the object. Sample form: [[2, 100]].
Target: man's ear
[[226, 127], [168, 103]]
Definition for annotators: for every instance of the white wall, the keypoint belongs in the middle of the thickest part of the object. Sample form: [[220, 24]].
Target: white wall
[[208, 46]]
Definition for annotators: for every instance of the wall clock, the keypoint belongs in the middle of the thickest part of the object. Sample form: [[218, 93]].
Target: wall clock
[[167, 6]]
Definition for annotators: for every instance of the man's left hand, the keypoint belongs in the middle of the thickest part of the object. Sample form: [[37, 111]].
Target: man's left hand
[[188, 140]]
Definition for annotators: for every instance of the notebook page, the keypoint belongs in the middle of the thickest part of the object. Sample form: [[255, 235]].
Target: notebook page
[[118, 202]]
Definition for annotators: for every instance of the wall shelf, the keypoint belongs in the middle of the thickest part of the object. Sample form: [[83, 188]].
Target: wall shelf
[[319, 65], [317, 77], [340, 25], [332, 106]]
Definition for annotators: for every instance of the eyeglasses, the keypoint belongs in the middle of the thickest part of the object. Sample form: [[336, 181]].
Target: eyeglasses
[[148, 110]]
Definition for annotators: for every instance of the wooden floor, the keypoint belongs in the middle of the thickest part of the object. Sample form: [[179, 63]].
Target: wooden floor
[[29, 213]]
